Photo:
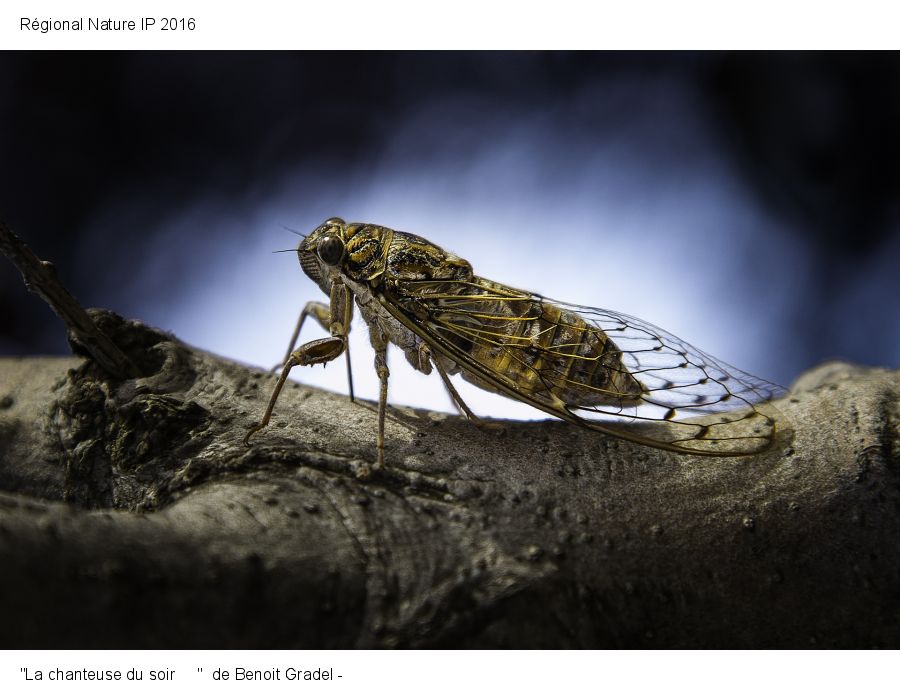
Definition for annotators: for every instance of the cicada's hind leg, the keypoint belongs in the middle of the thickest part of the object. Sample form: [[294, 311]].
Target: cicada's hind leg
[[322, 313], [380, 343], [316, 351], [454, 394]]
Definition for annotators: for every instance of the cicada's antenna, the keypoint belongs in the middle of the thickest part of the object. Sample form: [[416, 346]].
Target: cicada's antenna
[[293, 230], [286, 250]]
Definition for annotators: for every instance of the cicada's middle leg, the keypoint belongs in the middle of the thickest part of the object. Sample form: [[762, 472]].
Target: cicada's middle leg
[[340, 314], [380, 344]]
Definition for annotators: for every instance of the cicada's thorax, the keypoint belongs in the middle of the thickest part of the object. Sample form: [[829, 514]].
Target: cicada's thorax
[[374, 252], [377, 258]]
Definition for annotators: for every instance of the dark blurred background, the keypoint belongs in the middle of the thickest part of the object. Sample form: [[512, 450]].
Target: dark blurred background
[[747, 202]]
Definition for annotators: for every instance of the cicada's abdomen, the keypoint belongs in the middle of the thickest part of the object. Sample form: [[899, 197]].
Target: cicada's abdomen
[[540, 349], [578, 361]]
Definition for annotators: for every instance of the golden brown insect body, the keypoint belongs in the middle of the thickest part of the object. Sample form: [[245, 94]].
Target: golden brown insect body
[[596, 368]]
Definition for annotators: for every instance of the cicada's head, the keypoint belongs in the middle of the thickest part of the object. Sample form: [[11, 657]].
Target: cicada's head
[[322, 251]]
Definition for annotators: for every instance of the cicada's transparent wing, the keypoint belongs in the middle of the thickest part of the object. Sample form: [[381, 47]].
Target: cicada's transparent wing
[[690, 400], [597, 368]]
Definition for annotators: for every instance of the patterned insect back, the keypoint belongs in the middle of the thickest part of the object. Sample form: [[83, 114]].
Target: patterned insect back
[[366, 246]]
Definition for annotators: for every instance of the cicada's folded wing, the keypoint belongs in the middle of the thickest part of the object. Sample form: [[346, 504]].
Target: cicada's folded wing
[[690, 400], [597, 368]]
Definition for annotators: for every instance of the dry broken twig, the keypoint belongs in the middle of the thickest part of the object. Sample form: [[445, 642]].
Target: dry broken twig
[[41, 278]]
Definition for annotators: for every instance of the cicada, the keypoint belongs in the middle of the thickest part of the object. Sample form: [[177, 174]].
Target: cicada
[[596, 368]]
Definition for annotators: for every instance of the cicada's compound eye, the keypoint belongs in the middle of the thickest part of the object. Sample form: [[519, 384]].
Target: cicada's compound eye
[[330, 250]]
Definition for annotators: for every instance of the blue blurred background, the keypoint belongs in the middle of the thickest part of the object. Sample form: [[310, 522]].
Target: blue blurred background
[[746, 202]]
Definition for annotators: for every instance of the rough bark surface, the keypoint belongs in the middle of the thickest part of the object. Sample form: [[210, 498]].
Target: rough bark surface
[[132, 515]]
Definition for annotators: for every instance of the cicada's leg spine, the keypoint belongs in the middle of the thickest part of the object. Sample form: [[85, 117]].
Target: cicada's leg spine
[[322, 313], [319, 311]]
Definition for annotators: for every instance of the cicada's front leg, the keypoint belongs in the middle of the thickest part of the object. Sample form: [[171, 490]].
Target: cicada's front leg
[[322, 313], [316, 351], [319, 311]]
